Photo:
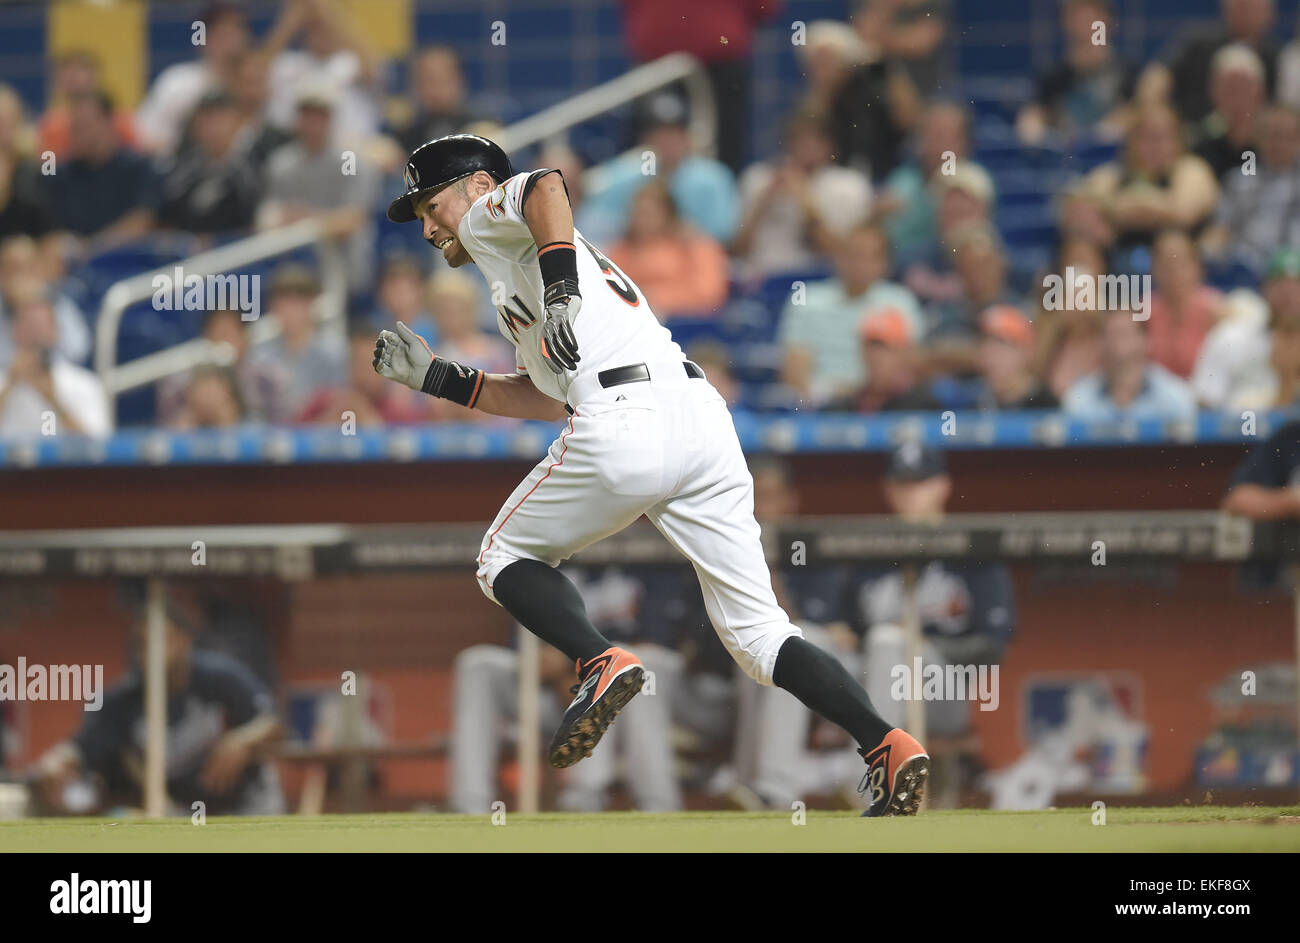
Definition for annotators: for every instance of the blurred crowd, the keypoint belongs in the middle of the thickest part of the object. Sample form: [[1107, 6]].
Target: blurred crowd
[[874, 224]]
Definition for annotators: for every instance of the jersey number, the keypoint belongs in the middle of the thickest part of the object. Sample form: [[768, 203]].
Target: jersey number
[[618, 281]]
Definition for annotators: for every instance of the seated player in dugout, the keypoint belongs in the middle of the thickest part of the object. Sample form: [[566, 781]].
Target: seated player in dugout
[[646, 434], [220, 726], [629, 605], [967, 610]]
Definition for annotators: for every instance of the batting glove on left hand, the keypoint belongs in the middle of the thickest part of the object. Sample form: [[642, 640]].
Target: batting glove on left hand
[[403, 357], [559, 346]]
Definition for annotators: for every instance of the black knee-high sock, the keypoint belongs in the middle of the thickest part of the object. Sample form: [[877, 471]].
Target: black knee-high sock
[[824, 686], [547, 604]]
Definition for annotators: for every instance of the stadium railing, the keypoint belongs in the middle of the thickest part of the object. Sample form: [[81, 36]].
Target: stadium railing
[[546, 124]]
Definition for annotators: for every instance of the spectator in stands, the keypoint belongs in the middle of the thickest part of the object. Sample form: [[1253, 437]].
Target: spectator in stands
[[1005, 358], [211, 401], [76, 73], [220, 726], [41, 392], [890, 355], [1182, 77], [258, 138], [367, 399], [453, 301], [438, 94], [1251, 359], [24, 208], [101, 192], [1087, 92], [334, 57], [561, 157], [715, 360], [818, 330], [967, 611], [908, 201], [23, 211], [1183, 308], [1158, 185], [832, 49], [1237, 89], [964, 202], [796, 208], [1082, 218], [1288, 73], [704, 189], [259, 383], [403, 296], [1266, 486], [213, 187], [162, 117], [870, 115], [1069, 339], [308, 177], [721, 35], [681, 270], [308, 359], [20, 262], [910, 35], [1260, 211], [980, 261], [1129, 385]]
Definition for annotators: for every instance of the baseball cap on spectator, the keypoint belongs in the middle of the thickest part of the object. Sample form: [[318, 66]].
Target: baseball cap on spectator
[[1237, 57], [322, 95], [839, 37], [294, 279], [663, 109], [915, 461], [1007, 323], [886, 325], [968, 177]]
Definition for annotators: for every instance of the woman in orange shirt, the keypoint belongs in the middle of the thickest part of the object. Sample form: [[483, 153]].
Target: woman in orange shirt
[[681, 270]]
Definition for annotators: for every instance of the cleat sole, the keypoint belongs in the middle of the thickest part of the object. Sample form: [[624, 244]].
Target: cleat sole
[[909, 787], [580, 739]]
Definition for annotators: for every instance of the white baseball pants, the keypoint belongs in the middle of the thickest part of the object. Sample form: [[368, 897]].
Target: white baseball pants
[[665, 448]]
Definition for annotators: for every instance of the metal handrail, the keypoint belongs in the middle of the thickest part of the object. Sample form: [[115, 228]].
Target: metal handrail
[[331, 306], [676, 67], [117, 378]]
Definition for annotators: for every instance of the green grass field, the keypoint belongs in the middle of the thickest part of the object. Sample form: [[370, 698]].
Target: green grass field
[[1206, 828]]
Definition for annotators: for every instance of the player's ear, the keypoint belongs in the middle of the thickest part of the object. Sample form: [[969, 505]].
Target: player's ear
[[482, 182]]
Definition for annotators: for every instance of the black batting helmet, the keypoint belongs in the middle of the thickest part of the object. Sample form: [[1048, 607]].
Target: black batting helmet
[[445, 160]]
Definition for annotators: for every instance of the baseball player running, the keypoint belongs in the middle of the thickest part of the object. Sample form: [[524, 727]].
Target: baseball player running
[[646, 434]]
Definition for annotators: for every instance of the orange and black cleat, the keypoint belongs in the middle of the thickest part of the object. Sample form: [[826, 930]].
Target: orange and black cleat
[[896, 774], [605, 684]]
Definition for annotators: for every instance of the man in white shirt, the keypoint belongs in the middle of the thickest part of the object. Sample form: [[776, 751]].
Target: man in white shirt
[[41, 392], [176, 91], [796, 208]]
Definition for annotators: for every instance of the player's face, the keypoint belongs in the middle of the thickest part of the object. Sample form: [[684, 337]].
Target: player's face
[[440, 214]]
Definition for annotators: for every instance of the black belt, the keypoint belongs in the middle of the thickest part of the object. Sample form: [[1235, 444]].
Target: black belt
[[636, 373]]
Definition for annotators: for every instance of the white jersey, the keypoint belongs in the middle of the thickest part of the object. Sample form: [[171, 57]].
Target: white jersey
[[615, 326]]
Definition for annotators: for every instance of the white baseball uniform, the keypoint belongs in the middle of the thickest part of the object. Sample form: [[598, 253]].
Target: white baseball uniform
[[665, 448]]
